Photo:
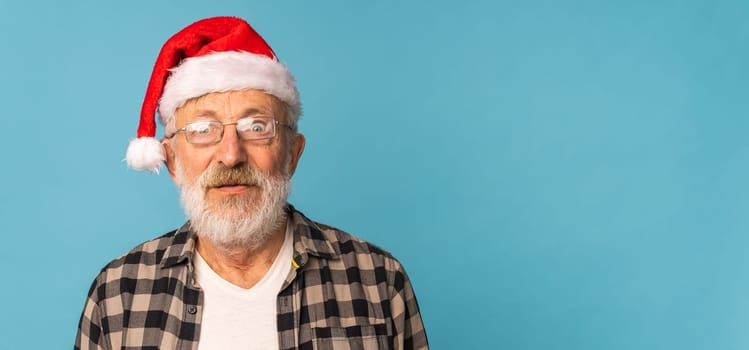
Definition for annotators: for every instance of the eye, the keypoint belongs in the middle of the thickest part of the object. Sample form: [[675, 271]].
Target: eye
[[199, 128], [258, 127], [254, 125]]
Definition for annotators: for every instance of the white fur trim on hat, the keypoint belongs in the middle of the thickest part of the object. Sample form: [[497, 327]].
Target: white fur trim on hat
[[145, 153], [227, 71]]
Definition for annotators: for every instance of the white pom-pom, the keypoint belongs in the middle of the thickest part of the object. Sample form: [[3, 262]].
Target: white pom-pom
[[145, 153]]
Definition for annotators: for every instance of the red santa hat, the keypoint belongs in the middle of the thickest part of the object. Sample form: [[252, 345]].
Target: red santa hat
[[216, 54]]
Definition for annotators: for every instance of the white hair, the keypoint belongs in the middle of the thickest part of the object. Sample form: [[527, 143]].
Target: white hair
[[236, 221]]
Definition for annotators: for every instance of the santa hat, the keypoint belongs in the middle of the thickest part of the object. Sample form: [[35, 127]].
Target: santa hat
[[216, 54]]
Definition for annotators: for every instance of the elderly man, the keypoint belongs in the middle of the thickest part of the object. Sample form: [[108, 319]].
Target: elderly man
[[247, 271]]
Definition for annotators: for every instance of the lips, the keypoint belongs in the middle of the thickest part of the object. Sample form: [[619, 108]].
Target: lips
[[232, 188], [232, 184]]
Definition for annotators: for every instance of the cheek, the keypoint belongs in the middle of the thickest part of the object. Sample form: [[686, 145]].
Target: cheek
[[269, 160], [266, 163], [191, 163], [185, 175]]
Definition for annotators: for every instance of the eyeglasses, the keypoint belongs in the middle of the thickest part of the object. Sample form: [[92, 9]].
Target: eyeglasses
[[248, 129]]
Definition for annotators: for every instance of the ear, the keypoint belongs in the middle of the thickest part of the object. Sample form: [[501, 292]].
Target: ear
[[297, 147], [170, 159]]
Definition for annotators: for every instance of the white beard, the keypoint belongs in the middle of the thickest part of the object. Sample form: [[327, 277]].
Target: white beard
[[236, 221]]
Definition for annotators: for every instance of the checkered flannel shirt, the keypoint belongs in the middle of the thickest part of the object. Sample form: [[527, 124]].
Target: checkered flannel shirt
[[344, 294]]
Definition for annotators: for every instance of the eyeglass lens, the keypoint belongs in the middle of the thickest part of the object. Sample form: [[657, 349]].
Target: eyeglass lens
[[204, 132]]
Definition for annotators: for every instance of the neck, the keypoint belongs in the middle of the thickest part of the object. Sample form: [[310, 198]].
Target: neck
[[242, 266]]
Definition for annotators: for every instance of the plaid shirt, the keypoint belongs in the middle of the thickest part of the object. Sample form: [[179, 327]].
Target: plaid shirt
[[340, 293]]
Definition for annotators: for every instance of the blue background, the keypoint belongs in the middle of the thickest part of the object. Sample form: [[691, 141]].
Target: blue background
[[553, 174]]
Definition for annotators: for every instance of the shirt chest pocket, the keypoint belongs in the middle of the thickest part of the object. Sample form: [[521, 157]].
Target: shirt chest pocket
[[357, 337]]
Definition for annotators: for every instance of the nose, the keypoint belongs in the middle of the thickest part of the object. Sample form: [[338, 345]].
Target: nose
[[230, 151]]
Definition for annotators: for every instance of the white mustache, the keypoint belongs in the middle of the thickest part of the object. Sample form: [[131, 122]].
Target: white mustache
[[218, 176]]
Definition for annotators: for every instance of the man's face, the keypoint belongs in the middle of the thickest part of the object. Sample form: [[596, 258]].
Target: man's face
[[230, 182]]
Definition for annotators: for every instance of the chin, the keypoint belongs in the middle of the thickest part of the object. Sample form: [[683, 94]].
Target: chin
[[233, 229]]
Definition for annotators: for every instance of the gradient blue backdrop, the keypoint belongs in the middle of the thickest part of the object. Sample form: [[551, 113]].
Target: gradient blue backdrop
[[553, 174]]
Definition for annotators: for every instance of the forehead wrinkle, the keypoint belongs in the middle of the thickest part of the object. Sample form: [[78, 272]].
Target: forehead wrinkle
[[264, 105], [191, 111], [207, 106], [204, 113]]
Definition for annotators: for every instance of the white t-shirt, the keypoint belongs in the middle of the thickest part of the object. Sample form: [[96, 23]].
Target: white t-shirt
[[239, 318]]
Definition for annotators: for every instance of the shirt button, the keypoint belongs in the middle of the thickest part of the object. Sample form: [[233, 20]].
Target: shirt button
[[192, 310]]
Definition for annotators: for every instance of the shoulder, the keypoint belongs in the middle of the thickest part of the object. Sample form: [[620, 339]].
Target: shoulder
[[143, 263], [148, 253], [343, 250], [329, 240], [350, 243]]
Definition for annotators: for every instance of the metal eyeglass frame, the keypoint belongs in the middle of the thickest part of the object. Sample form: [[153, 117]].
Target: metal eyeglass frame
[[223, 125]]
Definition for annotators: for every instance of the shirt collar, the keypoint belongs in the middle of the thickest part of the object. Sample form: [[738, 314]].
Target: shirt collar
[[181, 248]]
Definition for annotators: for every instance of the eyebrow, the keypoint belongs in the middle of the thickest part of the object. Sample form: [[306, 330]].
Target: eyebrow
[[254, 111], [207, 113]]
